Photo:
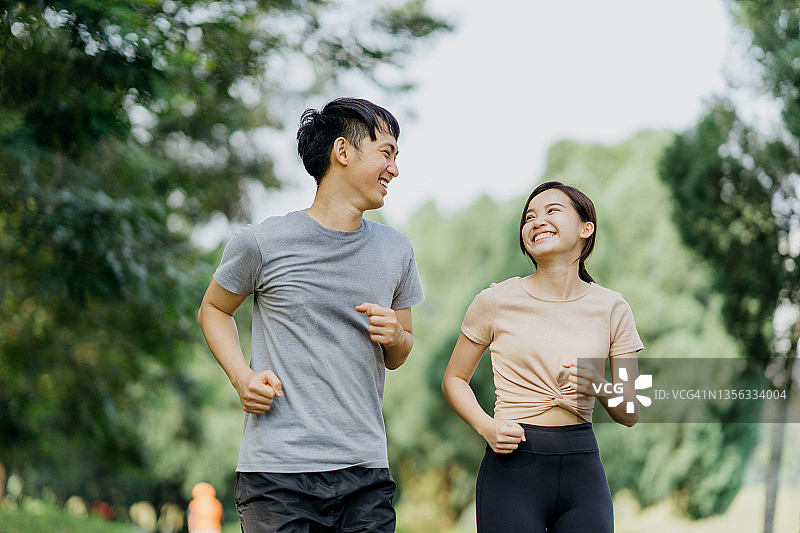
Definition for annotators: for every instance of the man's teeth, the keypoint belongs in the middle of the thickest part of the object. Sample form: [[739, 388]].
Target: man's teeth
[[383, 182]]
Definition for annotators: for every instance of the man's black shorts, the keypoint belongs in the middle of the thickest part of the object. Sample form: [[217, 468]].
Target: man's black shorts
[[351, 500]]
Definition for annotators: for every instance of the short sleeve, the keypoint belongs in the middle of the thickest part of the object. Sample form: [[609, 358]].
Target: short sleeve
[[478, 325], [409, 289], [624, 337], [241, 263]]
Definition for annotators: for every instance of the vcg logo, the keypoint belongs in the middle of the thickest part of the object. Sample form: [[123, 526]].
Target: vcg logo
[[644, 381]]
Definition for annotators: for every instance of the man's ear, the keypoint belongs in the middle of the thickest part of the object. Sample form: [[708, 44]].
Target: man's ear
[[341, 151]]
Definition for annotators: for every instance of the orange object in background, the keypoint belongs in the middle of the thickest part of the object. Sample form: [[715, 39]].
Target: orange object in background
[[103, 509], [205, 510]]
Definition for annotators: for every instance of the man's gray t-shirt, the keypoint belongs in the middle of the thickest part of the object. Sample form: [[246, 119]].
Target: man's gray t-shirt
[[307, 280]]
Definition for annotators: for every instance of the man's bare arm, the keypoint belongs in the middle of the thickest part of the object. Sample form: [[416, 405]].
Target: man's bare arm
[[257, 390]]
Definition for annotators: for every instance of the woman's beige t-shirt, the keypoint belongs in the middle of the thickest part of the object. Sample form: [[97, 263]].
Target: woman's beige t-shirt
[[530, 337]]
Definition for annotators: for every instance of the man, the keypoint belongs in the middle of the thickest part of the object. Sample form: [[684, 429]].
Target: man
[[332, 309]]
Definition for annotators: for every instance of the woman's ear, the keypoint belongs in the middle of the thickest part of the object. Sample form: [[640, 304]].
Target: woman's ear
[[587, 230], [339, 152]]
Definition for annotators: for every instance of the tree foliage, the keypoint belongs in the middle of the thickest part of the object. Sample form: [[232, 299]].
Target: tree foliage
[[123, 124], [735, 186], [736, 190], [724, 211]]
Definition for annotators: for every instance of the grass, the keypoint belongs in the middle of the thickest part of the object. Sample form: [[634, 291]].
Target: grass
[[38, 517], [744, 516]]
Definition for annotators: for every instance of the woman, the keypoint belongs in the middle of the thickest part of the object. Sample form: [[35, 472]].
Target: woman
[[549, 335]]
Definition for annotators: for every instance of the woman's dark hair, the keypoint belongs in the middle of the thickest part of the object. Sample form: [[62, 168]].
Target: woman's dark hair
[[585, 208], [351, 118]]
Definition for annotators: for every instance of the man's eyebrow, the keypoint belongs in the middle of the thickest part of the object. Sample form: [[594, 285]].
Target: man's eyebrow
[[391, 145]]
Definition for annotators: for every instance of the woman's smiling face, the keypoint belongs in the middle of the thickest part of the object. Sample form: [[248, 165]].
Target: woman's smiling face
[[553, 226]]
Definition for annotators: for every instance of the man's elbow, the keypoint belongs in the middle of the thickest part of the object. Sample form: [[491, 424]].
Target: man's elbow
[[394, 364], [203, 314], [394, 357]]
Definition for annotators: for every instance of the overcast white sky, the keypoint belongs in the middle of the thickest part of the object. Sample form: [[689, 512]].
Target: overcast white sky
[[515, 76]]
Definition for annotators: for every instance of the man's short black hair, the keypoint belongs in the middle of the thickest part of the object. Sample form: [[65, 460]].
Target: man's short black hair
[[351, 118]]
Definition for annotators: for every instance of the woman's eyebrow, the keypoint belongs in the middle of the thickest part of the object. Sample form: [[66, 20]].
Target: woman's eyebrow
[[551, 204]]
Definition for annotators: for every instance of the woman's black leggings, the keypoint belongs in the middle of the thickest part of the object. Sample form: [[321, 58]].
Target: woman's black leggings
[[553, 482]]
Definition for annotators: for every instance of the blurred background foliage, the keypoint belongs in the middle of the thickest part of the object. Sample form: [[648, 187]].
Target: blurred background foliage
[[124, 125]]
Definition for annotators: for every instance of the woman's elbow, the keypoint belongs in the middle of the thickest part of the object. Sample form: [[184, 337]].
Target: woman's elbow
[[447, 385]]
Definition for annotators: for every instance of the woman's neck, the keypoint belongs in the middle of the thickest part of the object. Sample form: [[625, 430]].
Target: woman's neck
[[558, 281]]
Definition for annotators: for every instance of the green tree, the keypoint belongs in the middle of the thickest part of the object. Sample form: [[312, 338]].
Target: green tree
[[123, 124], [735, 191]]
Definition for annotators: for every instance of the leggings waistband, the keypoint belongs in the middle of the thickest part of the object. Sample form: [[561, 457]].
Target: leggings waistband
[[554, 440]]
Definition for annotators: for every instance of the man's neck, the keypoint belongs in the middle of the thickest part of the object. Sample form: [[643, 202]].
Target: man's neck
[[334, 213]]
